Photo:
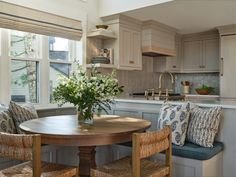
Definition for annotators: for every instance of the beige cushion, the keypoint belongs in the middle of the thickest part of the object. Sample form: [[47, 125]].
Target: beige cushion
[[6, 123], [203, 126], [22, 113]]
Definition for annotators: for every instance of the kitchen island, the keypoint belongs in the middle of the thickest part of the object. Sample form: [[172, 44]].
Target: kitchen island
[[149, 109]]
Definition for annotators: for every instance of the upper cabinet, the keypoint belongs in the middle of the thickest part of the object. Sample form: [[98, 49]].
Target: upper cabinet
[[194, 53], [173, 64], [201, 52], [125, 43], [130, 49]]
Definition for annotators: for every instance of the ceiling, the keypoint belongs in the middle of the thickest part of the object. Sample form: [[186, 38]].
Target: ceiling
[[189, 16]]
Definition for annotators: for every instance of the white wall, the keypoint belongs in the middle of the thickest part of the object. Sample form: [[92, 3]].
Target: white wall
[[111, 7]]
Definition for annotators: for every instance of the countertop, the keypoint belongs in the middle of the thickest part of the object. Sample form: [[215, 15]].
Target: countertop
[[223, 102]]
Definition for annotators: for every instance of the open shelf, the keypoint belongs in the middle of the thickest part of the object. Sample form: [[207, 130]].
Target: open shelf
[[102, 34]]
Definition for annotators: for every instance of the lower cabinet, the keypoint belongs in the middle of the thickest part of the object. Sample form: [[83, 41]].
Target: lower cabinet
[[127, 113]]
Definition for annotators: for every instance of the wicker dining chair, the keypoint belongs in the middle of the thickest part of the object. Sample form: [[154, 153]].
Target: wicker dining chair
[[28, 148], [144, 145]]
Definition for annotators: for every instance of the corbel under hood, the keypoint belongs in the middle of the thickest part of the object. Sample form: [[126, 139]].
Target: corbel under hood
[[158, 39]]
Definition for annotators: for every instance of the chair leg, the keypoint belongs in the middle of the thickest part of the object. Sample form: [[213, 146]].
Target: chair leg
[[77, 172]]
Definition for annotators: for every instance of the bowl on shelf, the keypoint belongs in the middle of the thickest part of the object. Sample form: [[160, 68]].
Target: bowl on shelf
[[202, 91], [101, 26]]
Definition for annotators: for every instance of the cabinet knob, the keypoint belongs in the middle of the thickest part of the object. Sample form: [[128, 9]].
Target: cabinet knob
[[131, 62], [173, 66], [200, 66]]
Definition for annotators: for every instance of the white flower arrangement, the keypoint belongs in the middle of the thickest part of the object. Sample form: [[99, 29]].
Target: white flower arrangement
[[88, 92]]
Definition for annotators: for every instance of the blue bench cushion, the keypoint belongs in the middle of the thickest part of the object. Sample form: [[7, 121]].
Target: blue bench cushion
[[193, 151]]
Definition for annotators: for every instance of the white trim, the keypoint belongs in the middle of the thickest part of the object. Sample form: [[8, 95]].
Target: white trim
[[4, 68]]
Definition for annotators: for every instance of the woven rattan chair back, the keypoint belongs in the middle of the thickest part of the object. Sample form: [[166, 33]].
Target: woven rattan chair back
[[150, 143], [22, 147]]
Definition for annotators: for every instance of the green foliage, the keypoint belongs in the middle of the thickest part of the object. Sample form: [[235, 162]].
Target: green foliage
[[88, 92], [205, 87]]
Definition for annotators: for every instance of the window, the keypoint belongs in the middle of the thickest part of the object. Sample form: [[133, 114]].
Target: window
[[24, 52], [24, 81], [34, 62], [60, 57]]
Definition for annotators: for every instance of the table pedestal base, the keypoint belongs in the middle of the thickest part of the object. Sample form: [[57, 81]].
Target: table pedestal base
[[86, 160]]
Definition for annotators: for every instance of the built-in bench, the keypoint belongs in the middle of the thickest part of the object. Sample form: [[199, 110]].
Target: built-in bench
[[192, 160], [189, 160], [193, 151]]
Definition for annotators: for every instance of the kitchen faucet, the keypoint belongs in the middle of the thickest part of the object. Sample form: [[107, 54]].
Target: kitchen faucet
[[160, 83]]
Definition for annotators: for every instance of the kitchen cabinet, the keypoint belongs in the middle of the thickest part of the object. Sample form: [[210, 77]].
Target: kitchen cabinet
[[195, 53], [201, 54], [173, 64], [125, 43], [130, 49], [228, 66], [127, 47], [192, 55], [211, 55]]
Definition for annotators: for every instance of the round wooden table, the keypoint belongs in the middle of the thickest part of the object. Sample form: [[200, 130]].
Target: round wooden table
[[65, 131]]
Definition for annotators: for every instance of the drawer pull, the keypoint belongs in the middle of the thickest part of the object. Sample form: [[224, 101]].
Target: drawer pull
[[222, 66], [173, 66], [131, 62]]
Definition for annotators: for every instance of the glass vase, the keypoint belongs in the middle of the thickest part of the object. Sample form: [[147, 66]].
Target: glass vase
[[85, 117]]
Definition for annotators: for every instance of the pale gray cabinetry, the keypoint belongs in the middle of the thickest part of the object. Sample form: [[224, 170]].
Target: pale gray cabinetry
[[145, 111], [202, 55], [192, 55], [173, 64], [210, 58], [130, 48], [228, 66]]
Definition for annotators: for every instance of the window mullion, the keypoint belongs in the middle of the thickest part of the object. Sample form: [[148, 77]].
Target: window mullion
[[5, 65], [44, 73]]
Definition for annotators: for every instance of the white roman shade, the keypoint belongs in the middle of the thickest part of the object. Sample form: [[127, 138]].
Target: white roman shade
[[30, 20]]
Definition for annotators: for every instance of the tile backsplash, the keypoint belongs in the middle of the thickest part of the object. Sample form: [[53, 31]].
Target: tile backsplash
[[139, 81], [196, 80]]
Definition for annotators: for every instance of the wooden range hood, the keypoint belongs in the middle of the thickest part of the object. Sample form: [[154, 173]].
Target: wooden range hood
[[158, 39]]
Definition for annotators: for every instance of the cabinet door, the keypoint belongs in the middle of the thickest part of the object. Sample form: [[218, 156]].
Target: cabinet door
[[174, 63], [192, 56], [136, 53], [125, 47], [228, 66], [211, 55], [130, 49]]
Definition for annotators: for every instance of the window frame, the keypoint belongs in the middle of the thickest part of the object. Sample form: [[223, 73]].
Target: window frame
[[43, 68]]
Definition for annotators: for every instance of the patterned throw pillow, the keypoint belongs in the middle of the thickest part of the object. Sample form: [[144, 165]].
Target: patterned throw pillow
[[177, 117], [22, 113], [203, 126], [6, 123]]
